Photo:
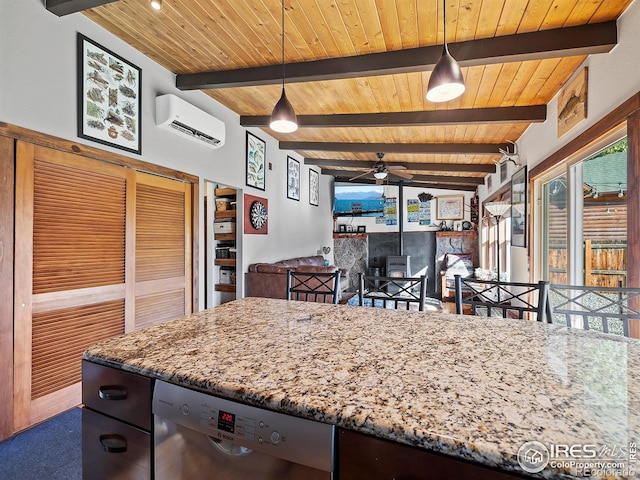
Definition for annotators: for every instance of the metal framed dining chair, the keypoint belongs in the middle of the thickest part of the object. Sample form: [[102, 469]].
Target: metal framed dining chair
[[604, 309], [313, 286], [392, 292], [502, 299]]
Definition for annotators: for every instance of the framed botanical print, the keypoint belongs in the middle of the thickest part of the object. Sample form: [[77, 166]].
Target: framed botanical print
[[314, 187], [109, 97], [519, 208], [256, 158], [293, 178]]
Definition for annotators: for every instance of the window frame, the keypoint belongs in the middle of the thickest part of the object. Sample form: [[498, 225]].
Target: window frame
[[571, 166]]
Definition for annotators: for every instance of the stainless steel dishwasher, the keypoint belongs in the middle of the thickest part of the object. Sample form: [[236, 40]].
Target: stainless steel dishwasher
[[200, 436]]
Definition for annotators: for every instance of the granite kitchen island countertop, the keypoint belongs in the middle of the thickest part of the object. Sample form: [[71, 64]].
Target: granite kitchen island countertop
[[470, 387]]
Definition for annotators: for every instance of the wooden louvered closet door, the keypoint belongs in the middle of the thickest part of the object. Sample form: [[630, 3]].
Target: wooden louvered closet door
[[97, 254], [162, 250]]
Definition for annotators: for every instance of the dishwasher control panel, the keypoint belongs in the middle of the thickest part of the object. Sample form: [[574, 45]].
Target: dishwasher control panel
[[284, 436]]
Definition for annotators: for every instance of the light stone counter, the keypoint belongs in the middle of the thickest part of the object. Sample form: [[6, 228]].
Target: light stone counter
[[470, 387]]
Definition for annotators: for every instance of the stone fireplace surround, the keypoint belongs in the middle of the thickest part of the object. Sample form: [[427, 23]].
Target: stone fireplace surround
[[358, 252]]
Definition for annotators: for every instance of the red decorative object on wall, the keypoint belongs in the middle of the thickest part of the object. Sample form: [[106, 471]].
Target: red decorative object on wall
[[256, 215]]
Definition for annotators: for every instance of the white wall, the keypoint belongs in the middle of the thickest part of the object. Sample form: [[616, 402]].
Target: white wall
[[38, 91], [613, 78]]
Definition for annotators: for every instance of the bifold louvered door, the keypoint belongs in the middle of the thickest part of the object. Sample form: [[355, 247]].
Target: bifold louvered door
[[76, 279]]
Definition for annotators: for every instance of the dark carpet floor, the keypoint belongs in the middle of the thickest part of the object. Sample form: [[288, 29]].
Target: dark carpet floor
[[49, 451]]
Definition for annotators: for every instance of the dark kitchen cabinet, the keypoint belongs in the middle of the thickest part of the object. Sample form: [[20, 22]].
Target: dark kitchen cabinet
[[362, 456], [116, 424]]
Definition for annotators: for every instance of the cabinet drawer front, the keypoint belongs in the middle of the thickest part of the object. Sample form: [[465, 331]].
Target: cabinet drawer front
[[113, 450], [123, 395], [362, 456]]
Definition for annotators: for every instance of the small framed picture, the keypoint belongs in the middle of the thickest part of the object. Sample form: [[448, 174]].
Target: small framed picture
[[314, 187], [519, 208], [293, 178], [342, 228], [503, 172], [362, 228], [256, 158]]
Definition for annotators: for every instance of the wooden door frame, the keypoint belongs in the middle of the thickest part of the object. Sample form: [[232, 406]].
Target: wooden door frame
[[7, 214], [9, 134], [629, 112]]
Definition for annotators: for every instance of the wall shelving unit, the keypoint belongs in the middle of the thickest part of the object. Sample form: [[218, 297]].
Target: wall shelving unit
[[225, 240]]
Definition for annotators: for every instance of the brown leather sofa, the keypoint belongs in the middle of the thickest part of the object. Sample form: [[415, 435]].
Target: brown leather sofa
[[269, 280]]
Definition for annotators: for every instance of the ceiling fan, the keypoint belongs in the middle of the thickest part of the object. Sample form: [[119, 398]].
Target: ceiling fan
[[380, 171]]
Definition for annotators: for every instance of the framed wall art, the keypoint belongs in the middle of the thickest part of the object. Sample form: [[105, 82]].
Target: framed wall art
[[519, 208], [109, 97], [572, 103], [293, 178], [503, 172], [314, 187], [256, 158], [450, 207]]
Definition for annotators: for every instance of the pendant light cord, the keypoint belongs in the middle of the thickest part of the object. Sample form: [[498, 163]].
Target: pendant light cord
[[283, 70], [444, 23]]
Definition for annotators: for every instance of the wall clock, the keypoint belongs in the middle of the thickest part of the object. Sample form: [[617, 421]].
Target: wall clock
[[256, 215]]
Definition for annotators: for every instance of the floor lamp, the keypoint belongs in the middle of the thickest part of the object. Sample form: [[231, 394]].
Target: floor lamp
[[497, 210]]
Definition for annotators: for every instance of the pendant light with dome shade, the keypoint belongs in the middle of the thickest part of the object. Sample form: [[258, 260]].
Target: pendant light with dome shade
[[283, 117], [446, 81]]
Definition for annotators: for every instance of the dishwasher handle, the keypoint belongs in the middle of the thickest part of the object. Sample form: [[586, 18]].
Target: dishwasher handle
[[228, 448]]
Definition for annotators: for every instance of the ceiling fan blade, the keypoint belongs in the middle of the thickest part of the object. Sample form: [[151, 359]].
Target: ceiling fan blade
[[360, 176], [396, 167], [406, 175]]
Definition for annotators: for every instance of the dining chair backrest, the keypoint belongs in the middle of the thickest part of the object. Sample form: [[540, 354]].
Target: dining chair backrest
[[392, 292], [605, 309], [502, 299], [313, 286]]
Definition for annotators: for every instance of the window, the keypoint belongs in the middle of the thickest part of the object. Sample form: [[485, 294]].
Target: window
[[492, 232], [582, 210]]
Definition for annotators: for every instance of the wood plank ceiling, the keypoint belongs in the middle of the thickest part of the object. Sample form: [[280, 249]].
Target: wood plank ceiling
[[531, 57]]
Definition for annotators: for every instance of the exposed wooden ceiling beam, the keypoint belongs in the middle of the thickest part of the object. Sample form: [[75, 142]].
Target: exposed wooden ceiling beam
[[66, 7], [433, 167], [416, 178], [452, 148], [556, 43], [408, 183], [445, 186], [526, 114]]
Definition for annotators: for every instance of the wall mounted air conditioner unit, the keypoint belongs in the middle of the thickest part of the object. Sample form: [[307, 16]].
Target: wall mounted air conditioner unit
[[184, 119]]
